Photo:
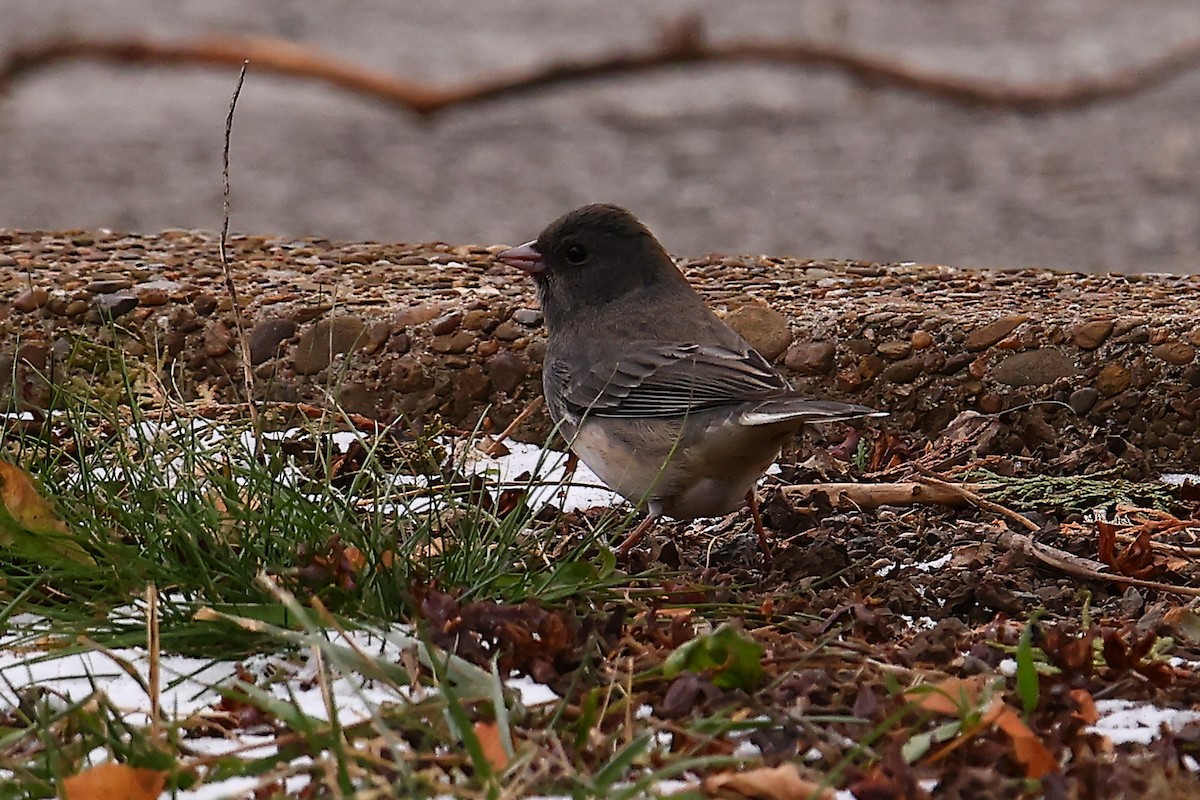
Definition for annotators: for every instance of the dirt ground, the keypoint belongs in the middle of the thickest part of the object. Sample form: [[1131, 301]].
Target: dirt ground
[[858, 601], [748, 159], [742, 160]]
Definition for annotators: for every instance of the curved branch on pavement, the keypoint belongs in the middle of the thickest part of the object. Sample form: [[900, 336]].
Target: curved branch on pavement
[[681, 43]]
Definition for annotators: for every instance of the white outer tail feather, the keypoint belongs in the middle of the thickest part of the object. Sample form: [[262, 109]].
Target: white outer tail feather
[[815, 413]]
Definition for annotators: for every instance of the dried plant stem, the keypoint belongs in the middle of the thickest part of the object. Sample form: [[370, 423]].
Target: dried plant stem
[[230, 286], [154, 651]]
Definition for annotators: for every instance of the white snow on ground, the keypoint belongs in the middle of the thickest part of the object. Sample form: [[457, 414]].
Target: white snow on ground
[[924, 566], [584, 490], [188, 687], [1125, 721], [541, 471], [187, 683]]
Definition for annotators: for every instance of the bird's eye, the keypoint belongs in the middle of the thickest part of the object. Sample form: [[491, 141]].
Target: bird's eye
[[577, 254]]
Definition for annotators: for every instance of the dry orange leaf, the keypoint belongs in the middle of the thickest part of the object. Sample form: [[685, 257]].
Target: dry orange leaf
[[28, 519], [948, 696], [488, 734], [1087, 706], [355, 557], [768, 783], [670, 613], [114, 782], [1027, 747], [21, 499]]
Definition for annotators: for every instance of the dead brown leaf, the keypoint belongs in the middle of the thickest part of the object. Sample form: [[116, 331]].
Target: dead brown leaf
[[114, 782], [1027, 747], [536, 641], [767, 783], [953, 693], [28, 518], [488, 734], [949, 695], [1136, 560], [1085, 706]]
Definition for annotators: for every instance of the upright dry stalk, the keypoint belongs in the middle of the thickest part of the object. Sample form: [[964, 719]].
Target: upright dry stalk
[[153, 649], [243, 342]]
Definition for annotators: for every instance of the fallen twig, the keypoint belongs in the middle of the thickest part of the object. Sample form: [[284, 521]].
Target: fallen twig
[[682, 43], [930, 490], [974, 498], [873, 495], [525, 414], [1080, 567], [495, 447]]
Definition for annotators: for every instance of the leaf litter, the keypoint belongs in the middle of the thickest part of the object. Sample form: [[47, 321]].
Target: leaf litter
[[801, 682]]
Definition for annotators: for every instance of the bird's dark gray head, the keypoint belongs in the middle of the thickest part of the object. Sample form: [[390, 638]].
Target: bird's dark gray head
[[590, 257]]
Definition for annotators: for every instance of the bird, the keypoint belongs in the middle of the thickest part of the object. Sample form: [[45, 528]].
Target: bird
[[667, 404]]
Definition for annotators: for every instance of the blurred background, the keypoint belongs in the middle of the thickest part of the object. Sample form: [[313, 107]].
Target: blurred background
[[730, 159]]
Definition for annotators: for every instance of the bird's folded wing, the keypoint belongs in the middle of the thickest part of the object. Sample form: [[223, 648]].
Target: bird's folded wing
[[657, 380]]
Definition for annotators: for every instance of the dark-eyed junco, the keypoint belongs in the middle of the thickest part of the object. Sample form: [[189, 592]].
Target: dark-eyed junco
[[658, 396]]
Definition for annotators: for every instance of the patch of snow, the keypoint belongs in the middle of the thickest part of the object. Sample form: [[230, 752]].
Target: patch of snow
[[670, 786], [937, 563], [1125, 721], [532, 693], [189, 686], [543, 472], [924, 566], [746, 749], [919, 623], [343, 439], [243, 786]]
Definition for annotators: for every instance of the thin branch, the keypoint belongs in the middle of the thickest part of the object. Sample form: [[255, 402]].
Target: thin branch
[[873, 495], [682, 44], [495, 447], [975, 499], [932, 490], [230, 286], [929, 490], [1071, 564]]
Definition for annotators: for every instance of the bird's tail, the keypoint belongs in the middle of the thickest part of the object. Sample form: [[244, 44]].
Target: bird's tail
[[805, 411]]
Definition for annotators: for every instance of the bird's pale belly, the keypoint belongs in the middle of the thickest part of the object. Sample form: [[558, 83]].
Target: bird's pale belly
[[706, 475]]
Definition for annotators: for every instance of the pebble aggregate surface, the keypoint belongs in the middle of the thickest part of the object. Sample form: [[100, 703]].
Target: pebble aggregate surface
[[1080, 370]]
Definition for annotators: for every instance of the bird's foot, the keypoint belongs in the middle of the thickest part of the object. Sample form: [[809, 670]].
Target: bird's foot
[[636, 535], [764, 546]]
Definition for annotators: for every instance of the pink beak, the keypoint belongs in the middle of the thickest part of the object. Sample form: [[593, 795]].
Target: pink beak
[[524, 257]]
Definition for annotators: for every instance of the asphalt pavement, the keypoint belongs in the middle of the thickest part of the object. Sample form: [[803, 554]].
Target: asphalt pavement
[[730, 159]]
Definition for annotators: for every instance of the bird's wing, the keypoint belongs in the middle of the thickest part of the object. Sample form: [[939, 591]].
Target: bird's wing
[[664, 380]]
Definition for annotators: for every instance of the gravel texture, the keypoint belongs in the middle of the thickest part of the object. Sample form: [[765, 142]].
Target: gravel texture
[[1079, 371]]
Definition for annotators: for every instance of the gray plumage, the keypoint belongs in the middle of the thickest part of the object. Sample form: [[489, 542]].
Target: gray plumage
[[653, 391]]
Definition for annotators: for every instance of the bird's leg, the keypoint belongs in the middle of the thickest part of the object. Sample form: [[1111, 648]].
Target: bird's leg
[[637, 534], [763, 544]]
